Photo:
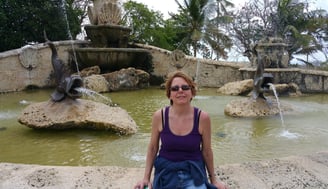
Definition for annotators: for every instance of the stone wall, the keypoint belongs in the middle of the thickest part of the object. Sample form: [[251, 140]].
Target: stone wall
[[207, 73], [31, 66], [309, 81]]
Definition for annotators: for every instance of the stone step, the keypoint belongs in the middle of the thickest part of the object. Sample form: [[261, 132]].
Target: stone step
[[294, 172]]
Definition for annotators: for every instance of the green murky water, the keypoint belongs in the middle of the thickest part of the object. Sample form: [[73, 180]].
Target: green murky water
[[234, 140]]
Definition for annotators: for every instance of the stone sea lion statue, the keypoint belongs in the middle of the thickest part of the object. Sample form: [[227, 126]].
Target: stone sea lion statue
[[66, 83], [261, 79]]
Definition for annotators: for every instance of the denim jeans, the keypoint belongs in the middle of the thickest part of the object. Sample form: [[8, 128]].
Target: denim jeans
[[186, 182]]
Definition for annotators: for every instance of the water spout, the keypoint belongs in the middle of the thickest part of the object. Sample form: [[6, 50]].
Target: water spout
[[285, 133], [272, 87], [95, 96]]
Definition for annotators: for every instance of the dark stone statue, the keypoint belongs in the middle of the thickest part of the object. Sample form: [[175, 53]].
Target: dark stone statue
[[66, 83], [261, 79]]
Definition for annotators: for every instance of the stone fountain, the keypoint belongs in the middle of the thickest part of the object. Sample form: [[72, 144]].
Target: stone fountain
[[109, 48], [65, 110], [268, 53], [272, 48]]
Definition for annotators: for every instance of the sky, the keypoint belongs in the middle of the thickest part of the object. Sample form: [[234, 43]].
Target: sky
[[165, 6]]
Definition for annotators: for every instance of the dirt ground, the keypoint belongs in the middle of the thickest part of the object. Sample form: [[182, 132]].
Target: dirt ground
[[295, 172]]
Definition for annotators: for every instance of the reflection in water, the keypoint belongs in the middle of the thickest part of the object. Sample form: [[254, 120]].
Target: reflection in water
[[234, 140], [89, 150]]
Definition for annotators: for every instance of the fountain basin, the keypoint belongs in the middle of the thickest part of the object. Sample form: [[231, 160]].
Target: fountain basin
[[233, 140], [108, 35], [111, 59]]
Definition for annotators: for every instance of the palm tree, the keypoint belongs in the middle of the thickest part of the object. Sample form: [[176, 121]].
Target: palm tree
[[223, 17], [303, 30], [196, 27], [298, 26]]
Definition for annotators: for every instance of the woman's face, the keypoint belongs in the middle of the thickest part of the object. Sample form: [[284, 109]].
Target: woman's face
[[180, 91]]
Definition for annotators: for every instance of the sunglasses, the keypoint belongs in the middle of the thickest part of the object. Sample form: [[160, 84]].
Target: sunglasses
[[183, 87]]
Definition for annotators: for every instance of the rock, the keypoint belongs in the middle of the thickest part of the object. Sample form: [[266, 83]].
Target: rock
[[93, 70], [237, 88], [143, 78], [96, 83], [124, 79], [77, 113], [290, 89], [127, 79], [248, 107], [244, 87]]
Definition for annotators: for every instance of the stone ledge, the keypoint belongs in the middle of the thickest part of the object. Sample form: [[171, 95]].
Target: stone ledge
[[308, 171]]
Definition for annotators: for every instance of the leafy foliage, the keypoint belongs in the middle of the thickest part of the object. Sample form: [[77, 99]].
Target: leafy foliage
[[204, 27], [303, 30], [23, 21], [197, 23], [149, 26]]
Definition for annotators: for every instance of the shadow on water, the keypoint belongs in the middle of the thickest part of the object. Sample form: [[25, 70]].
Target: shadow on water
[[233, 140]]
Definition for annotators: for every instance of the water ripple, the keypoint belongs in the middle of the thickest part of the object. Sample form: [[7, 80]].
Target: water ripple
[[289, 135], [7, 115]]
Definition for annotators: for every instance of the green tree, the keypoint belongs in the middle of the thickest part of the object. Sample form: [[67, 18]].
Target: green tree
[[148, 27], [23, 21], [303, 30], [252, 23], [222, 19], [197, 27], [293, 22], [191, 22]]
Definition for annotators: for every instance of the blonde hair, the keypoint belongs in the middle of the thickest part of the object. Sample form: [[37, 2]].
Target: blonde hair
[[184, 76]]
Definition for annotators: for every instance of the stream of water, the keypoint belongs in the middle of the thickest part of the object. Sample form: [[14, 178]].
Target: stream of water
[[234, 140], [87, 93], [285, 132]]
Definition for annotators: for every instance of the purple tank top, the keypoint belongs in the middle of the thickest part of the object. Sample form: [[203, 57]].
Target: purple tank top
[[179, 148]]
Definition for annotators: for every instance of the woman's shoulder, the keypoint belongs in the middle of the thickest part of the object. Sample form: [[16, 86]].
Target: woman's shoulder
[[203, 115], [159, 112], [202, 112], [158, 119]]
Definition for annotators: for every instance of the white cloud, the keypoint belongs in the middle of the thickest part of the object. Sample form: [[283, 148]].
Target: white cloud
[[165, 6], [320, 4]]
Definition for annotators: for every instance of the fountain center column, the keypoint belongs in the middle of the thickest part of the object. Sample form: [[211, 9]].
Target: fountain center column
[[109, 46]]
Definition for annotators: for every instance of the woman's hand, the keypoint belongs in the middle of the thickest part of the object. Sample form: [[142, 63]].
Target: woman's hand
[[220, 185], [144, 184]]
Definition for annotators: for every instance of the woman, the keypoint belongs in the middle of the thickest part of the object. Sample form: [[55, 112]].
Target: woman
[[185, 133]]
